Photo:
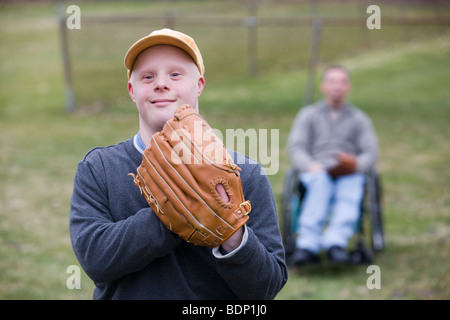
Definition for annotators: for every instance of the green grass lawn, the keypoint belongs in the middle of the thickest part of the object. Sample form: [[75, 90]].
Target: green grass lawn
[[403, 86]]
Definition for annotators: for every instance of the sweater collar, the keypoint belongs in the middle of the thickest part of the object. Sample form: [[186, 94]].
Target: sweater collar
[[343, 108]]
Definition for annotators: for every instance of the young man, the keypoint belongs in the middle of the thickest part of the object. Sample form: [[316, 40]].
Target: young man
[[122, 245], [332, 144]]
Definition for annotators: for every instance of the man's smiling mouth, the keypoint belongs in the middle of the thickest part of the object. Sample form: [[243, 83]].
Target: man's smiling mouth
[[161, 103]]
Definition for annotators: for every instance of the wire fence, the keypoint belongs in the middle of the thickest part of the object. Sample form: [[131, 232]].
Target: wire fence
[[237, 38]]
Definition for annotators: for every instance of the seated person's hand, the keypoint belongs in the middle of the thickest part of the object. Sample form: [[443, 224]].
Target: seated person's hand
[[315, 166], [346, 165]]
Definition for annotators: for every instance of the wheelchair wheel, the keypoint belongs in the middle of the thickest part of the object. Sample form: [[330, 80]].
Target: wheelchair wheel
[[376, 214], [372, 210], [292, 195], [369, 231]]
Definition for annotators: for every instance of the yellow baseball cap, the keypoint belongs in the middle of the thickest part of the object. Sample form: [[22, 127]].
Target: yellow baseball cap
[[164, 36]]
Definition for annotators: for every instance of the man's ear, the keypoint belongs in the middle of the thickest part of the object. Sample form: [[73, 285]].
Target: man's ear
[[322, 88], [350, 88], [131, 91], [201, 85]]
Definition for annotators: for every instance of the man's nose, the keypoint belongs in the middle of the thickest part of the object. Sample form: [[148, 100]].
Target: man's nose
[[161, 84]]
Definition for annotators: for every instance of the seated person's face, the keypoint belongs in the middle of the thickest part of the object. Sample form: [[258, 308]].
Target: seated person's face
[[335, 86]]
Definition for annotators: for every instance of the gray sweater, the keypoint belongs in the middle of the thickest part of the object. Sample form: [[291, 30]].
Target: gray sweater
[[315, 136], [129, 254]]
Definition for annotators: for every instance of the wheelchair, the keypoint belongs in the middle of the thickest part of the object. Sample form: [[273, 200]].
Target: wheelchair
[[368, 238]]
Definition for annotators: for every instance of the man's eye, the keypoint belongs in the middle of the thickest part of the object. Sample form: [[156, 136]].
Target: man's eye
[[175, 74], [148, 77]]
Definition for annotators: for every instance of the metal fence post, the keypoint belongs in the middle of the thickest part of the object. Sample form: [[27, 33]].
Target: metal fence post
[[251, 22], [169, 19], [313, 61], [68, 86]]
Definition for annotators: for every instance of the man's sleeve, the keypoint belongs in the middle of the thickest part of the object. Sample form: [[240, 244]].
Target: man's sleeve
[[368, 144], [108, 249], [258, 269], [297, 144]]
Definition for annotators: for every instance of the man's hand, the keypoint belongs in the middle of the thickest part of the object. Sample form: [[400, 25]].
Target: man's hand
[[315, 167], [234, 241], [346, 165]]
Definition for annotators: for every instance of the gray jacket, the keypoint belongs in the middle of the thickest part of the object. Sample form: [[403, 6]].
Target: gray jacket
[[314, 136]]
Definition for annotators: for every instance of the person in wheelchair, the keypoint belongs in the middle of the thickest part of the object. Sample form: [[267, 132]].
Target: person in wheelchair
[[332, 144]]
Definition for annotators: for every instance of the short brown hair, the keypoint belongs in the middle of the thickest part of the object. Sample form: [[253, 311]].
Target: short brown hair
[[335, 66]]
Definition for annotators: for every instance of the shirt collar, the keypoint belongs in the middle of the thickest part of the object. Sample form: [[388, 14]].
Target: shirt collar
[[138, 143]]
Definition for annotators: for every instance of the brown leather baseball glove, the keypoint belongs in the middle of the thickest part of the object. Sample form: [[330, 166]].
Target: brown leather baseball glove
[[191, 182], [346, 165]]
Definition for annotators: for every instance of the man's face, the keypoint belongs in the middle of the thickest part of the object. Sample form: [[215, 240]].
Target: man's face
[[335, 86], [163, 78]]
